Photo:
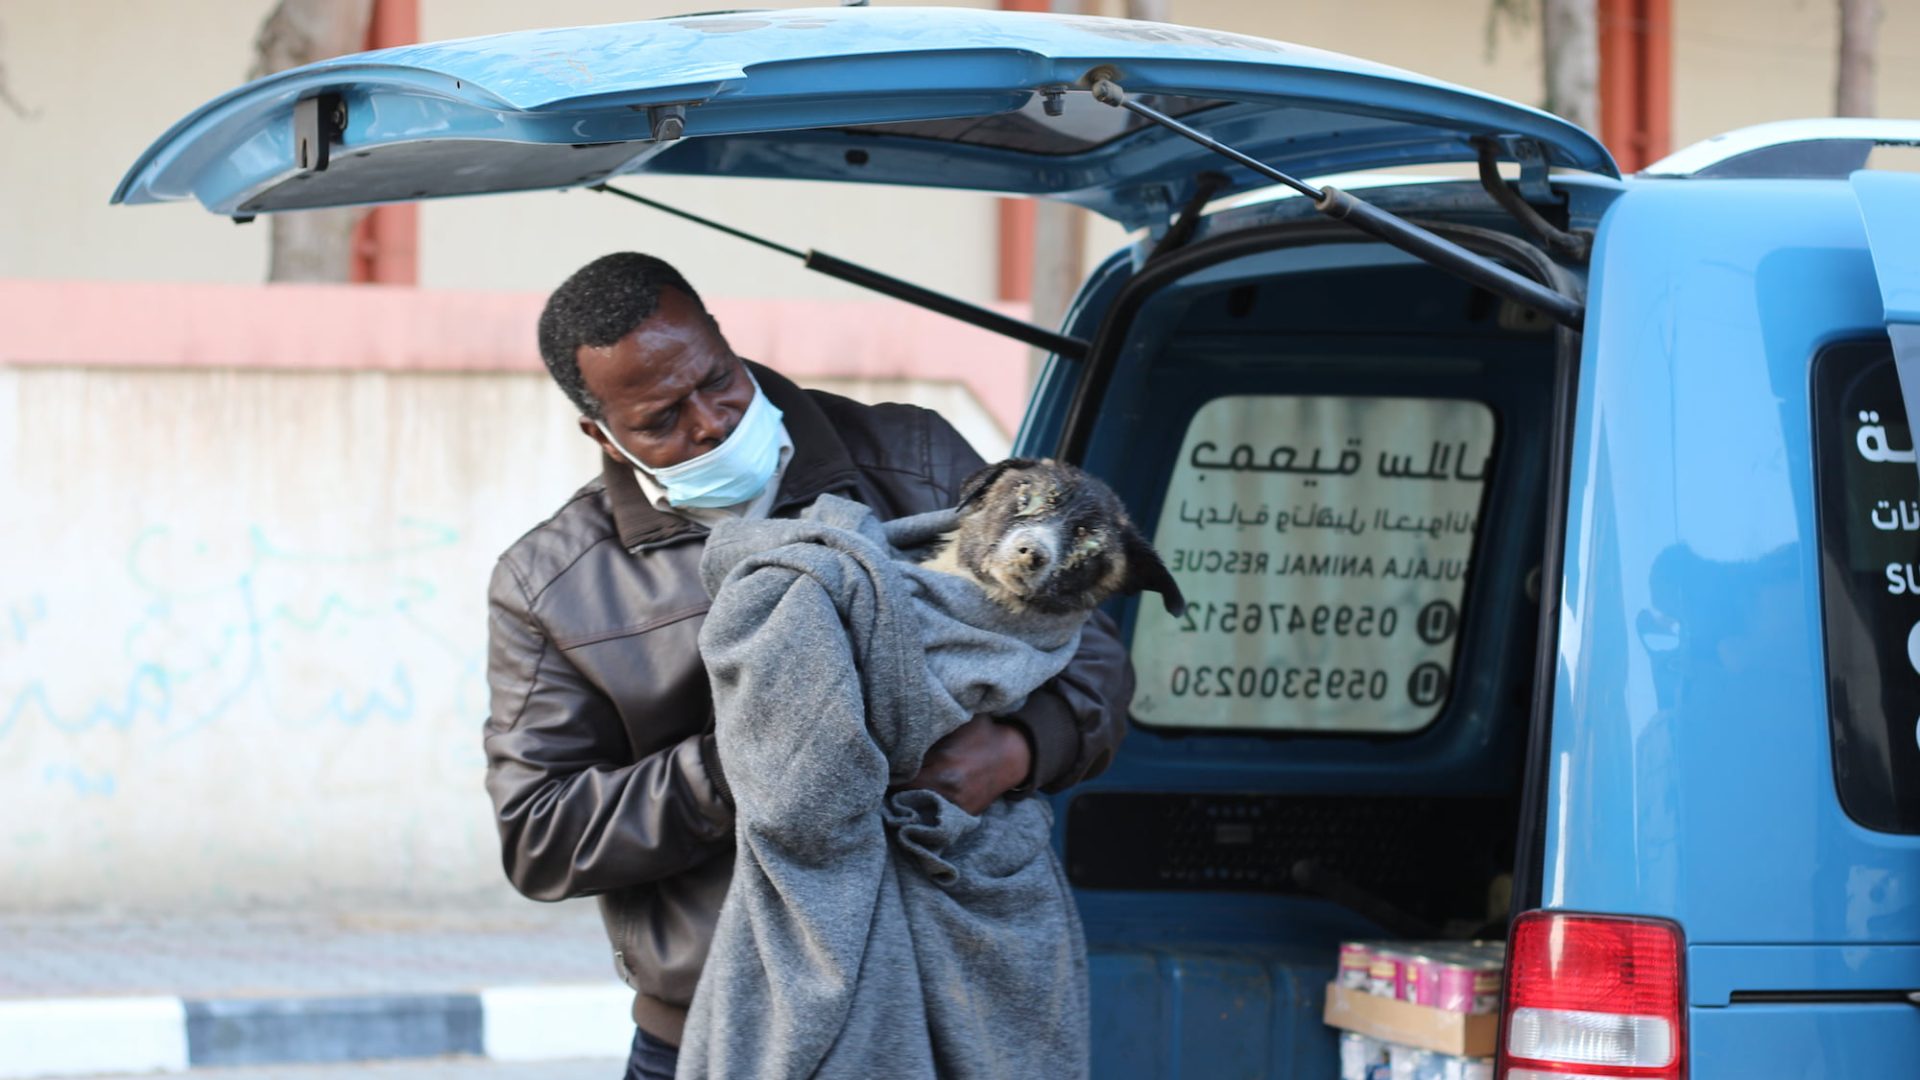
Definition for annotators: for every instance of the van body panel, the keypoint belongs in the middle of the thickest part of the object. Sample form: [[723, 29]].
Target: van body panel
[[1716, 973], [1691, 769], [1804, 1042]]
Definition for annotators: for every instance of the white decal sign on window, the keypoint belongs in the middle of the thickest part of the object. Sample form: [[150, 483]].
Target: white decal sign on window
[[1323, 545]]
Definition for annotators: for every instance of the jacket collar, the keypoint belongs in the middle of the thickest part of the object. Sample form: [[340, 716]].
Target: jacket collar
[[820, 463]]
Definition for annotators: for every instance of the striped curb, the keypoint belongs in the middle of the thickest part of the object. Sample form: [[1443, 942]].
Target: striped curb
[[50, 1037]]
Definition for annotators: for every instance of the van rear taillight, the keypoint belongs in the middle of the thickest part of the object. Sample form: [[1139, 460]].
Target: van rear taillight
[[1593, 997]]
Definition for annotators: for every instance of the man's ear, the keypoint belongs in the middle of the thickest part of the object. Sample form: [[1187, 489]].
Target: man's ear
[[1146, 573], [976, 486], [592, 431]]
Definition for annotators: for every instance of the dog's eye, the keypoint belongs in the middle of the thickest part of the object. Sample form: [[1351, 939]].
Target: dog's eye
[[1029, 501]]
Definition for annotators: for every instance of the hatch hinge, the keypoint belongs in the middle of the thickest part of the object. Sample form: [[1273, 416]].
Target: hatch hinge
[[1175, 236], [318, 123], [1155, 204], [1532, 159], [666, 123], [1518, 199]]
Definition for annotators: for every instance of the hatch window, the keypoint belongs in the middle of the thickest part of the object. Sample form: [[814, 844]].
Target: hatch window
[[1869, 508], [1323, 544], [436, 167], [1083, 124]]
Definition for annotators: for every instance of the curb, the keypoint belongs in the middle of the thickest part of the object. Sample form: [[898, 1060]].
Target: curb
[[48, 1037]]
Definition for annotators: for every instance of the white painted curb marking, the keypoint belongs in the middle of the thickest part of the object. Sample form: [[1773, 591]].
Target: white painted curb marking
[[78, 1036], [550, 1023]]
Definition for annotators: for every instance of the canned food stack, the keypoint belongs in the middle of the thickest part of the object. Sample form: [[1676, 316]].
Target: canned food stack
[[1449, 982]]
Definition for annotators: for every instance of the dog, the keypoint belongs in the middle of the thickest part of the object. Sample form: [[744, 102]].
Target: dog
[[1041, 535]]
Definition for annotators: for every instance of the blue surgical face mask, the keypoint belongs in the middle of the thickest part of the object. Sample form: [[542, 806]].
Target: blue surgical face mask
[[733, 472]]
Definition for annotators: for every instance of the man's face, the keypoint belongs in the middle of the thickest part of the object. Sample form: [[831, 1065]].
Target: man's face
[[672, 390]]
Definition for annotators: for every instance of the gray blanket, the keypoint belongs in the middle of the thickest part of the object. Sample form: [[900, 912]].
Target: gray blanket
[[868, 935]]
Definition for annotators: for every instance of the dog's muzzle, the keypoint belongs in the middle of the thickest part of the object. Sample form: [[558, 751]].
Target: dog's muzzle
[[1026, 556]]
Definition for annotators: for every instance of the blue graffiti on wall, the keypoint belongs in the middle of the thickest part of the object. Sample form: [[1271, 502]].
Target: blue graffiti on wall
[[218, 636]]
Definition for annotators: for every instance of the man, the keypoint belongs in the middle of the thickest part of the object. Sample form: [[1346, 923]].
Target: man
[[600, 753]]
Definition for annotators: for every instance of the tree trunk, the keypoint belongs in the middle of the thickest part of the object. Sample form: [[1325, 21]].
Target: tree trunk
[[1059, 262], [1853, 90], [1570, 54], [6, 90], [311, 245]]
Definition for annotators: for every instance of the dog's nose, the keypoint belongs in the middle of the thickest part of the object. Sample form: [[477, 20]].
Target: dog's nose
[[1029, 552], [1031, 556]]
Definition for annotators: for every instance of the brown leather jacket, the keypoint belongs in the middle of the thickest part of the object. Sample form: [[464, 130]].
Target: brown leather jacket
[[599, 760]]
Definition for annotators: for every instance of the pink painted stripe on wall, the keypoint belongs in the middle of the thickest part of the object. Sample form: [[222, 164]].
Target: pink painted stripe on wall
[[399, 328]]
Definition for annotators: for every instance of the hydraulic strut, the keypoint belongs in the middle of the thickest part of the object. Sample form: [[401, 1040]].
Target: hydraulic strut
[[1370, 219], [1039, 337]]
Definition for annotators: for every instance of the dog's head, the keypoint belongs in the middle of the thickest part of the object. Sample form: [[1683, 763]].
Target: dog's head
[[1044, 535]]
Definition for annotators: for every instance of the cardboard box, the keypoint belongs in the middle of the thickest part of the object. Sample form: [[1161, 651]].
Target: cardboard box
[[1412, 1025]]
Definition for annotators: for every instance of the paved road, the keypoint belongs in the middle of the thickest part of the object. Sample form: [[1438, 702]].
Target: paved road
[[485, 963], [433, 1069], [418, 951]]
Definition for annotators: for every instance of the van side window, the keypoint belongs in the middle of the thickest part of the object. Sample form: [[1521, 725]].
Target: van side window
[[1323, 544], [1869, 509]]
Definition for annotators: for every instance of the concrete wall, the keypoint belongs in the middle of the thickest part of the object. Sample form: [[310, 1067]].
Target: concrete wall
[[1747, 62], [103, 79], [247, 538], [1735, 62], [244, 639]]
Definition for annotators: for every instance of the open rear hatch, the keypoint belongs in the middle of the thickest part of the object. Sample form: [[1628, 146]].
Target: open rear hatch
[[987, 100]]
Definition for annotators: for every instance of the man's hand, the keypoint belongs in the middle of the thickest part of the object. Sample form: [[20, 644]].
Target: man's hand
[[976, 763]]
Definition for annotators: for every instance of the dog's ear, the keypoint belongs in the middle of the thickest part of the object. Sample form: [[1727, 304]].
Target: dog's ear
[[975, 486], [1146, 573]]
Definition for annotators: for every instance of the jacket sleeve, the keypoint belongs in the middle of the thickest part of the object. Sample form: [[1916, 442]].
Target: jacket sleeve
[[1076, 720], [577, 814]]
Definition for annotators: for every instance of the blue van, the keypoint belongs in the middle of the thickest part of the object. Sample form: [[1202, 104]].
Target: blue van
[[1554, 561]]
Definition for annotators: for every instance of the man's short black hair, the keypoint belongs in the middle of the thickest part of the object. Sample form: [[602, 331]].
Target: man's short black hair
[[602, 302]]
